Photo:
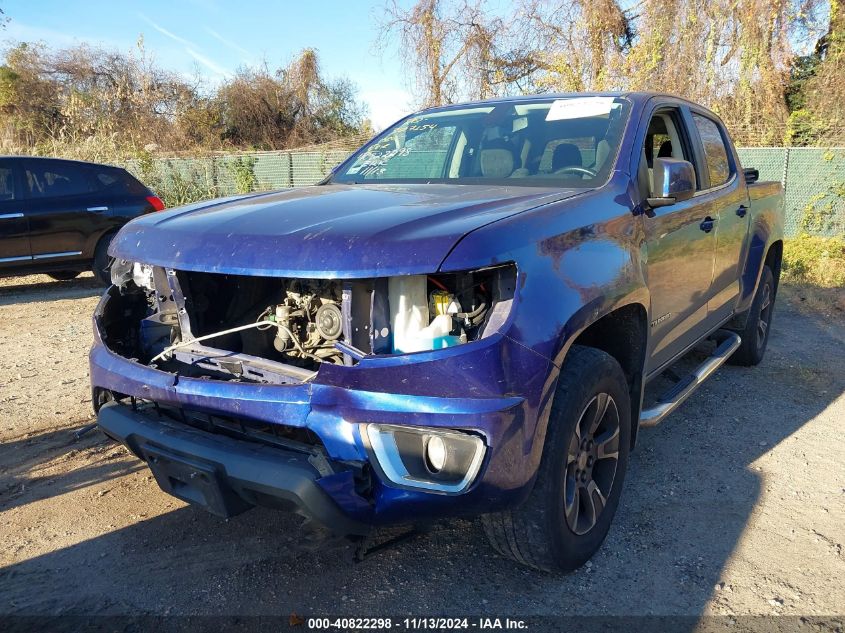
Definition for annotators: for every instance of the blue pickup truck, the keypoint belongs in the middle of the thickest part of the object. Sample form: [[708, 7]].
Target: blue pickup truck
[[460, 320]]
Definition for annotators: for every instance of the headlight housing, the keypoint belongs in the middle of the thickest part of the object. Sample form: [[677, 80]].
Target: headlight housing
[[429, 312], [436, 460], [123, 271]]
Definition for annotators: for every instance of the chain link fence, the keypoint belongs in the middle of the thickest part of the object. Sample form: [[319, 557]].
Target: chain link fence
[[814, 178], [814, 181], [184, 180]]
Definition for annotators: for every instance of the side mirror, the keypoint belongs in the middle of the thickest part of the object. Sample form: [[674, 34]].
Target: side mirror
[[751, 175], [674, 181]]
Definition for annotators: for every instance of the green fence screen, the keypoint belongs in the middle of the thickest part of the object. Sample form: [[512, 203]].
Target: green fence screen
[[814, 178], [814, 181]]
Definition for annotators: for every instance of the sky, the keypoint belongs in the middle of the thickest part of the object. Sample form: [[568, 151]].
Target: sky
[[215, 37]]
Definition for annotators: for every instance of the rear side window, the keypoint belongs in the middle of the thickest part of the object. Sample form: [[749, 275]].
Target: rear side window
[[7, 184], [118, 181], [55, 180], [106, 179], [715, 151]]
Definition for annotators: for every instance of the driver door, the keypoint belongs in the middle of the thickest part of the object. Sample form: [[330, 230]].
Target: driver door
[[681, 247]]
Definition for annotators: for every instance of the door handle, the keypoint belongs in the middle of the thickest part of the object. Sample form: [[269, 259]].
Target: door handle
[[98, 208], [707, 224], [10, 216], [742, 211]]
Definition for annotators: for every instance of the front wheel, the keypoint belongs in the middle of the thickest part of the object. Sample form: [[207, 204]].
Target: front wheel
[[568, 513], [63, 275]]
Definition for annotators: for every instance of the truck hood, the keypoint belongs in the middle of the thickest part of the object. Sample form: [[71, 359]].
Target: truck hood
[[329, 231]]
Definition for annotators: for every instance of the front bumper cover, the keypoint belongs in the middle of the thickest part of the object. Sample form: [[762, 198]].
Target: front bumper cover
[[224, 475]]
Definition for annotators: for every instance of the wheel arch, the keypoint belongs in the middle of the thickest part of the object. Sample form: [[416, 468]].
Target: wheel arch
[[98, 267], [774, 260], [95, 238], [623, 334]]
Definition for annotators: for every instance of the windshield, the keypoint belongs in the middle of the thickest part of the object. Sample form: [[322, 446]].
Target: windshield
[[571, 142]]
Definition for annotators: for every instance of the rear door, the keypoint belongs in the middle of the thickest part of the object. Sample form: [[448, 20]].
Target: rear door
[[680, 241], [726, 189], [62, 209], [14, 233], [125, 196]]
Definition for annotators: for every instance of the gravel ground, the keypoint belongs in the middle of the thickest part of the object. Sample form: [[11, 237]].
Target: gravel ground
[[734, 505]]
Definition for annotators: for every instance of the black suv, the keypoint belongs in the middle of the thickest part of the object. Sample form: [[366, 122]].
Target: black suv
[[58, 216]]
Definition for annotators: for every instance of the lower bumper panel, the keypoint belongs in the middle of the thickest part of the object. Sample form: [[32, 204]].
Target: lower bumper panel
[[224, 475]]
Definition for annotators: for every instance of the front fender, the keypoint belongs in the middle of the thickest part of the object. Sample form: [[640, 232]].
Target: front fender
[[578, 261]]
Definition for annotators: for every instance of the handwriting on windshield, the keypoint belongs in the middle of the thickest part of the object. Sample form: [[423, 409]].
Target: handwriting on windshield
[[373, 161]]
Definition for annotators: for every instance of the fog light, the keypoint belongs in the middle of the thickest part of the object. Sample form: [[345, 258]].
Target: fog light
[[438, 460], [435, 454]]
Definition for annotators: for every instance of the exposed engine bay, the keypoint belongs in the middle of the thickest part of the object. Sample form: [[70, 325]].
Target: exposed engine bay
[[280, 330], [294, 321]]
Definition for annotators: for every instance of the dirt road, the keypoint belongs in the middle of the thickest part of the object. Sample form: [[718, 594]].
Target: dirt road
[[734, 505]]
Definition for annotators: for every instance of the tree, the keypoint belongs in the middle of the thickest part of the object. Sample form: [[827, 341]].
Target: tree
[[93, 103], [817, 90], [578, 44], [293, 106], [735, 56], [446, 44]]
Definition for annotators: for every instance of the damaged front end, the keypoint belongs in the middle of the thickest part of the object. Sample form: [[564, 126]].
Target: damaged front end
[[278, 331], [388, 396]]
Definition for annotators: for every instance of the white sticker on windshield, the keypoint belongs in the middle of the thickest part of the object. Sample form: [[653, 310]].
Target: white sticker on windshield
[[579, 108]]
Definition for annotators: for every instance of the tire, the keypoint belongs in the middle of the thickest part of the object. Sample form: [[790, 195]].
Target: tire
[[755, 336], [102, 262], [63, 275], [545, 532]]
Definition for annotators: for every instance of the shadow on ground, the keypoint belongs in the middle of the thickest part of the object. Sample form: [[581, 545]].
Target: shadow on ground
[[689, 495], [46, 289], [25, 465]]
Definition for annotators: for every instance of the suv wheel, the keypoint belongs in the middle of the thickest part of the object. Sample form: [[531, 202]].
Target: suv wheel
[[102, 261], [63, 275], [568, 513], [755, 336]]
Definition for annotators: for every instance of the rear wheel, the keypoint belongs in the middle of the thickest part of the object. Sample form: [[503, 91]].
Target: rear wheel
[[63, 275], [755, 336], [102, 261], [568, 513]]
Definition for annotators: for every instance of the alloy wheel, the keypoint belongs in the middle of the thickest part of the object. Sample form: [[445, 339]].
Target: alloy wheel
[[765, 315], [591, 463]]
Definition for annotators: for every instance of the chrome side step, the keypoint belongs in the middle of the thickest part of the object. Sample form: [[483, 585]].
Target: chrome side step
[[673, 398]]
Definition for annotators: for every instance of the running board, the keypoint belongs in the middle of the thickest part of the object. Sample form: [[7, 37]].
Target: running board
[[684, 388]]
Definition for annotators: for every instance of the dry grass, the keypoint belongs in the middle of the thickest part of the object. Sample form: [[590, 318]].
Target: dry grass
[[809, 299], [815, 261], [814, 275]]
